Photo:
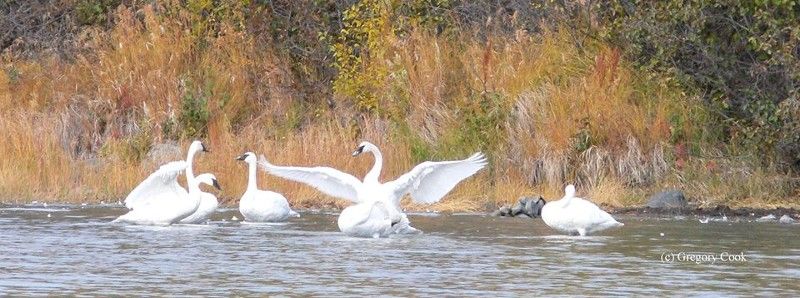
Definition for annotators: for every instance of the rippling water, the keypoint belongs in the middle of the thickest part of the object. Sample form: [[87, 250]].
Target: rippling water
[[74, 250]]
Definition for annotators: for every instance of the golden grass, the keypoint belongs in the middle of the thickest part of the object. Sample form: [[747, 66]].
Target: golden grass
[[73, 130]]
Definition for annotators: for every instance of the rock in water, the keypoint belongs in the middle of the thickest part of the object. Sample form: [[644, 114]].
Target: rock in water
[[533, 206], [770, 217], [539, 205], [530, 207], [517, 209], [525, 206], [505, 211], [786, 219], [667, 199]]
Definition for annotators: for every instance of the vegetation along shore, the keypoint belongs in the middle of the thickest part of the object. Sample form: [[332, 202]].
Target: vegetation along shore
[[622, 98]]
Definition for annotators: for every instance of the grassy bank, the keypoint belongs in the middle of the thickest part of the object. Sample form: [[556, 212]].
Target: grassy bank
[[548, 108]]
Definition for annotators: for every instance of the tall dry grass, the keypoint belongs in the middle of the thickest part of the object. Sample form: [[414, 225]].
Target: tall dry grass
[[547, 111]]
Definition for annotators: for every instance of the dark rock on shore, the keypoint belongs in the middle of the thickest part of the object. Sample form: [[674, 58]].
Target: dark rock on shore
[[526, 206], [667, 199]]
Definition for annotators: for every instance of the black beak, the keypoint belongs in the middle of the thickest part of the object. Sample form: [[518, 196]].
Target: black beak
[[358, 150], [216, 184], [241, 157], [205, 149]]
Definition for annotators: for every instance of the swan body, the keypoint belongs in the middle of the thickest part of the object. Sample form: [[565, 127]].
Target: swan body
[[369, 219], [575, 215], [160, 200], [208, 205], [260, 205], [428, 182]]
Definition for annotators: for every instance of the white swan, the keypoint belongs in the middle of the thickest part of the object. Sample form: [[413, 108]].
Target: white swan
[[368, 219], [160, 200], [208, 201], [428, 182], [575, 215], [261, 205], [208, 205], [143, 195], [195, 147]]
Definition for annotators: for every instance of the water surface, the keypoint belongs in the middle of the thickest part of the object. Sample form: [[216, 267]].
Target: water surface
[[74, 250]]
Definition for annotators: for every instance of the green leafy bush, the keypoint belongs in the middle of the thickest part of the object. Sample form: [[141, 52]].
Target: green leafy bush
[[194, 115], [94, 12]]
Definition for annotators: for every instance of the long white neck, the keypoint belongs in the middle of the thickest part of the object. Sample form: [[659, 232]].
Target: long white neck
[[251, 178], [194, 187], [569, 193], [189, 171], [375, 172]]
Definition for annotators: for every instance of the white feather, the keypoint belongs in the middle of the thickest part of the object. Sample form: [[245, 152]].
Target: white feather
[[429, 181], [327, 180], [160, 185]]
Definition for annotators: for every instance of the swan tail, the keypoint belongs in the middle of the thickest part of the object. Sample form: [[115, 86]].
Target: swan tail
[[292, 213]]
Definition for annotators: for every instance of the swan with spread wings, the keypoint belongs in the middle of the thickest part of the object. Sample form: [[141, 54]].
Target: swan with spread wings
[[160, 200], [428, 182]]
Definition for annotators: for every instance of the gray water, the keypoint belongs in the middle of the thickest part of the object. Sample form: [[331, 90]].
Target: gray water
[[74, 250]]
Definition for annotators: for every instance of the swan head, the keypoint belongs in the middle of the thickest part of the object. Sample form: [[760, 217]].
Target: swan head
[[198, 146], [209, 179], [569, 191], [248, 157], [364, 147]]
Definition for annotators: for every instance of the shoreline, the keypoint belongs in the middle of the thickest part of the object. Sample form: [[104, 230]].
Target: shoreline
[[639, 211], [716, 211]]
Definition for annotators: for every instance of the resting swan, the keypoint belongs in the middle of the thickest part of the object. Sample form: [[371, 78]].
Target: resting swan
[[428, 182], [160, 200], [261, 205], [368, 219], [575, 215]]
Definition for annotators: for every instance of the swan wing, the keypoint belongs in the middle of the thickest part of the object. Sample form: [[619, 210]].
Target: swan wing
[[327, 180], [429, 181], [162, 183]]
